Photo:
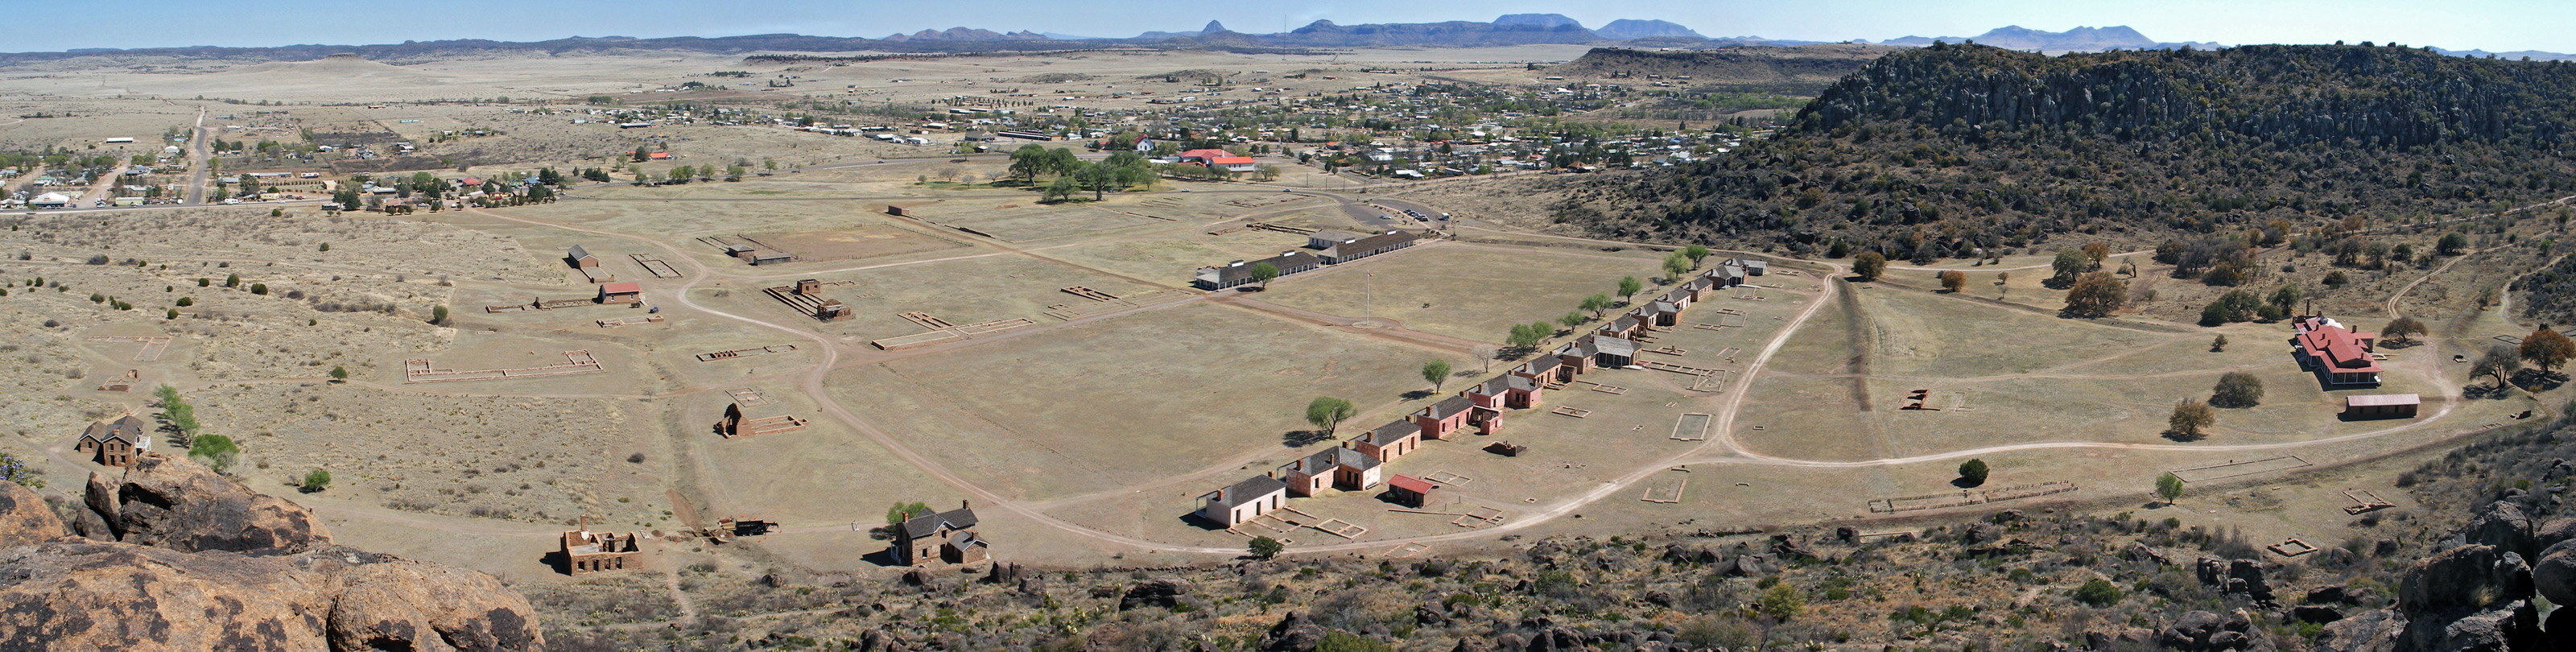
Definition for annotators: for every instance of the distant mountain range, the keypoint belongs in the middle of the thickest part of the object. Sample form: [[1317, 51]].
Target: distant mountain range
[[1510, 29], [2080, 39]]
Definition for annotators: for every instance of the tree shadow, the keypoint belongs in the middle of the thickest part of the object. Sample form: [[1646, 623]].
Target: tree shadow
[[1303, 438], [2485, 391], [1416, 395], [2185, 437], [1965, 482], [2538, 381]]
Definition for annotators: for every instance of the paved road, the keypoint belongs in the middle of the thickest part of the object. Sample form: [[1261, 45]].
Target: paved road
[[199, 152]]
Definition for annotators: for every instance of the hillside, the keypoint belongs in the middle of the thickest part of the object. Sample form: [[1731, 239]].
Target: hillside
[[1802, 70]]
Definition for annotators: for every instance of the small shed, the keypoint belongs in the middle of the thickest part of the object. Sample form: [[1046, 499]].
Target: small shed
[[627, 292], [1410, 491], [2381, 406], [766, 256], [581, 257]]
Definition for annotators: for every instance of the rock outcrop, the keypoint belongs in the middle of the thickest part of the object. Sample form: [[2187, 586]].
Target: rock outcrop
[[179, 558], [24, 518], [173, 503]]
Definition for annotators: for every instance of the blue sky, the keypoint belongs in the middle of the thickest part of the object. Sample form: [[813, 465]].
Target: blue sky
[[2496, 25]]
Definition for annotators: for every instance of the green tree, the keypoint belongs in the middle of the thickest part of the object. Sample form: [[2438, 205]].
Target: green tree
[[2218, 344], [1265, 547], [177, 412], [1596, 303], [2068, 265], [2169, 487], [339, 372], [2451, 244], [2190, 417], [1262, 273], [215, 451], [438, 315], [1868, 265], [2237, 389], [1953, 281], [903, 511], [1629, 286], [1974, 471], [2287, 299], [1573, 319], [1436, 372], [2098, 592], [1062, 189], [1328, 413], [1696, 253], [1675, 265], [317, 480]]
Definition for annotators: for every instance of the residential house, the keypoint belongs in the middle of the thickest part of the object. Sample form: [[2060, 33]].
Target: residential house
[[1244, 501], [1627, 326], [1240, 272], [1445, 417], [1204, 156], [940, 536], [1511, 390], [115, 443], [1389, 441], [1659, 313], [2338, 356], [1338, 467], [1544, 370], [1234, 163]]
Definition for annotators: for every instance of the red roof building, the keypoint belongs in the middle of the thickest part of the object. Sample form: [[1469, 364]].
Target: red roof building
[[1410, 491], [627, 292], [1203, 156], [470, 181], [1234, 163], [2339, 357]]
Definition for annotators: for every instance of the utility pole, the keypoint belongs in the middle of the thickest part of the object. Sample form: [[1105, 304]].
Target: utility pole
[[1368, 297]]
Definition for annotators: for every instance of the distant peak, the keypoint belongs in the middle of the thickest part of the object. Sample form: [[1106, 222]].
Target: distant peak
[[1212, 27], [1545, 21]]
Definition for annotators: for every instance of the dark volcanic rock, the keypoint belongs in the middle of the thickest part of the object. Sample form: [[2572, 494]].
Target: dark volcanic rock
[[1294, 633], [173, 503], [2473, 577], [1159, 592], [2503, 525], [81, 595], [2555, 576], [2371, 631], [25, 519]]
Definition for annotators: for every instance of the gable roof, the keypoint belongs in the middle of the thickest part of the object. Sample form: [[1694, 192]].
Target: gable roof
[[1447, 407], [1410, 483], [1621, 347], [1246, 491], [578, 253], [928, 525], [1286, 262], [1390, 433], [1324, 461], [129, 429], [628, 287]]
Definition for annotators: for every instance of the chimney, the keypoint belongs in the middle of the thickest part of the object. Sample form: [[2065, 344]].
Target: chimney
[[965, 504]]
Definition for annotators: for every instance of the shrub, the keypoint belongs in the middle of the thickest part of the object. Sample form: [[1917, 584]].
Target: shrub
[[316, 481], [1265, 547], [259, 289], [1868, 265], [2098, 592], [1974, 471], [215, 451]]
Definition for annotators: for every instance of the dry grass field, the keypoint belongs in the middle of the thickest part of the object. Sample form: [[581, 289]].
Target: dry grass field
[[1082, 442]]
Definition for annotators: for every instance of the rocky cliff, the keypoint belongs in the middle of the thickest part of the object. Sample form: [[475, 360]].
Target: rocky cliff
[[177, 558]]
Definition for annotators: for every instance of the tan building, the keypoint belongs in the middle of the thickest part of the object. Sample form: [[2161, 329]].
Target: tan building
[[1243, 501], [115, 443], [587, 552]]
